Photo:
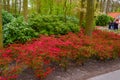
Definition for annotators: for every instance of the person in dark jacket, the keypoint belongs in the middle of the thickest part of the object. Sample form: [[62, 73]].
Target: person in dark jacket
[[111, 25], [116, 25]]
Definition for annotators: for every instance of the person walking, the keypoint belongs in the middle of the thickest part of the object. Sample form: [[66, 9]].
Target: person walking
[[119, 24], [111, 25], [116, 24]]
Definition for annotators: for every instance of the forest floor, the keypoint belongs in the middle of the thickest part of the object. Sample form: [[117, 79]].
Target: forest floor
[[74, 72]]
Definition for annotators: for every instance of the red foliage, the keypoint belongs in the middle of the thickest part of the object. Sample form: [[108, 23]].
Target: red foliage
[[40, 53]]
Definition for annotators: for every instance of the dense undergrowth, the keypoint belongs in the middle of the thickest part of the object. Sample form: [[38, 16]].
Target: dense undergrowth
[[6, 17], [103, 20], [15, 29], [41, 53], [53, 24]]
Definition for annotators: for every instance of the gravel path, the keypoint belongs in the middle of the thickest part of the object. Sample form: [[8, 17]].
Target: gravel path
[[102, 28]]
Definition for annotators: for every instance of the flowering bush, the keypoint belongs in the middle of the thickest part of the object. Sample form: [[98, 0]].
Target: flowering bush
[[40, 53]]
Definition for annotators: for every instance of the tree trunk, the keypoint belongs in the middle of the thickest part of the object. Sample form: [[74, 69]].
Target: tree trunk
[[82, 12], [112, 10], [25, 9], [4, 5], [8, 5], [105, 6], [101, 9], [69, 7], [15, 8], [1, 34], [65, 10], [58, 6], [108, 6], [20, 5], [38, 6], [51, 6], [89, 17], [97, 5]]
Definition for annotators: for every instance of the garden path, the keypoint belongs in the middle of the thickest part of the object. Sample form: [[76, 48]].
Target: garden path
[[115, 75]]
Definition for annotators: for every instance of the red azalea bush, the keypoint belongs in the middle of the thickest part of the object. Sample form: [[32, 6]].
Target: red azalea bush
[[42, 53]]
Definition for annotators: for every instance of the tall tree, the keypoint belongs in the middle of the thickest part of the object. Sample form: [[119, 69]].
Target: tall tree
[[25, 9], [51, 6], [97, 5], [82, 11], [4, 4], [65, 10], [108, 6], [1, 35], [105, 6], [89, 17], [70, 6], [102, 5], [12, 6], [20, 6], [38, 6], [58, 6], [16, 8], [101, 8], [8, 5]]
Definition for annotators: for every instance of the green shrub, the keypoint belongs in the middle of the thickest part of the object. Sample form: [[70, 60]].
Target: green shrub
[[53, 24], [111, 19], [6, 17], [102, 20], [17, 30]]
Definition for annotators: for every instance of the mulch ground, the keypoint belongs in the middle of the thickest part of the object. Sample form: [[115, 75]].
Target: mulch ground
[[90, 69]]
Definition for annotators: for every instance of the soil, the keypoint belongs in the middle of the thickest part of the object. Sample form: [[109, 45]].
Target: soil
[[90, 69]]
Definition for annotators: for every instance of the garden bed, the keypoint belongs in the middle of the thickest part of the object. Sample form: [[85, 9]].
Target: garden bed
[[74, 72], [45, 54]]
